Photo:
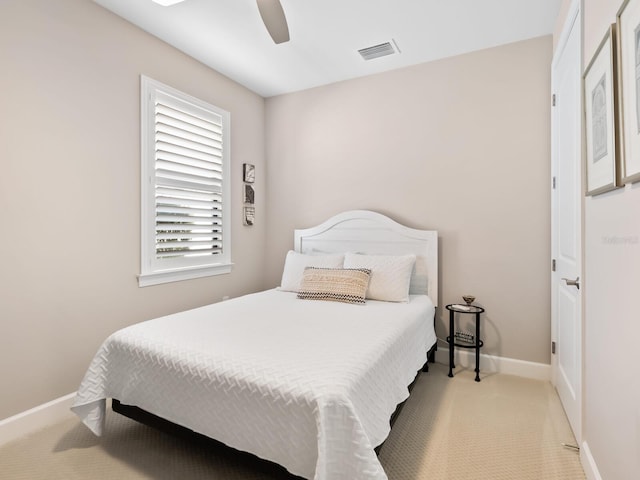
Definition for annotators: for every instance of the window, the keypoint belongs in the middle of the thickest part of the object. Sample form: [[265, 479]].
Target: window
[[185, 186]]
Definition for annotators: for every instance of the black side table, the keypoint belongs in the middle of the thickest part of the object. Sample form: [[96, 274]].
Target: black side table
[[477, 345]]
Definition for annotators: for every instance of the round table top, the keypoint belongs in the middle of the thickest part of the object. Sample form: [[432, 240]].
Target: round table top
[[460, 308]]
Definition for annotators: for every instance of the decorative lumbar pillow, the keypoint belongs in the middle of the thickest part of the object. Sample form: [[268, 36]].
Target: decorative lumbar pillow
[[295, 263], [390, 275], [336, 284]]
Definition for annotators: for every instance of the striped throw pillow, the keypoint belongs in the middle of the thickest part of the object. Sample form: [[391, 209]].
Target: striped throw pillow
[[348, 285]]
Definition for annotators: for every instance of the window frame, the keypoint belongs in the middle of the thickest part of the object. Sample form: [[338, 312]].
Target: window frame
[[152, 272]]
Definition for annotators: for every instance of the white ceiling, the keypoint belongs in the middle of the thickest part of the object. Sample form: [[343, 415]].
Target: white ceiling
[[229, 36]]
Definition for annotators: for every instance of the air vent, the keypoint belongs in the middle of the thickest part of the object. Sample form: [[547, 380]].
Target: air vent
[[387, 48]]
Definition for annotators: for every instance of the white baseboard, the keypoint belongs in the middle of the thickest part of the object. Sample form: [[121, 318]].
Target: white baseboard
[[588, 463], [492, 364], [35, 419]]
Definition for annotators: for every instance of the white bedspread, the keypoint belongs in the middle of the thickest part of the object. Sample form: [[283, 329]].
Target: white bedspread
[[307, 384]]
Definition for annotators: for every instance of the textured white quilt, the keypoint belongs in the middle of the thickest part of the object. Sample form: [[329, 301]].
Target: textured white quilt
[[307, 384]]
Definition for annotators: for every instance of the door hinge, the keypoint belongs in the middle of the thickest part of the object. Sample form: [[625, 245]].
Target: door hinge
[[553, 100], [553, 182], [553, 347], [553, 265]]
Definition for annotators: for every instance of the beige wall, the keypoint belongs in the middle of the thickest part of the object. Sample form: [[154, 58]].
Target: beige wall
[[460, 145], [611, 391], [69, 189], [612, 274]]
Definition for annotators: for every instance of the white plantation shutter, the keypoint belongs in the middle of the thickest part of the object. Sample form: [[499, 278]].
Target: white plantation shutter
[[185, 195]]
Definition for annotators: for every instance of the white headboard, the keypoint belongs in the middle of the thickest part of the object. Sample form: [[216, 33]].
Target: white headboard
[[363, 231]]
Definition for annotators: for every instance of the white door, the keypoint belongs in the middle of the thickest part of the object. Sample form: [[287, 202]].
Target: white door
[[566, 228]]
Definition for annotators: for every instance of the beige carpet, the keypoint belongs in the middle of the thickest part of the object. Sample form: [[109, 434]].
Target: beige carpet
[[504, 427]]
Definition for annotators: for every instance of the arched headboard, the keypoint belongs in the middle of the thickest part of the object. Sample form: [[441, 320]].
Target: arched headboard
[[367, 232]]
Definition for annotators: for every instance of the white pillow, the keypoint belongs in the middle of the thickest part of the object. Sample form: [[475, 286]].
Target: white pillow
[[390, 275], [295, 263]]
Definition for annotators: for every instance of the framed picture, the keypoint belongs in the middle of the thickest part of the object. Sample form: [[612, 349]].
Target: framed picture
[[249, 215], [249, 194], [628, 37], [248, 172], [600, 108]]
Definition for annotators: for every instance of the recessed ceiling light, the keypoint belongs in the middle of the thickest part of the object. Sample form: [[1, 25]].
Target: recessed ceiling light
[[167, 3]]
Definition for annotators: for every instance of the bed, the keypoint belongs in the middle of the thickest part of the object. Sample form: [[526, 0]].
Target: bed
[[307, 384]]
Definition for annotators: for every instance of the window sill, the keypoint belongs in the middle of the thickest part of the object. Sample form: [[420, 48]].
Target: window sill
[[167, 276]]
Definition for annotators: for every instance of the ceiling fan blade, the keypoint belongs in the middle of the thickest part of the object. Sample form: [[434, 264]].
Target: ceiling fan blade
[[274, 19]]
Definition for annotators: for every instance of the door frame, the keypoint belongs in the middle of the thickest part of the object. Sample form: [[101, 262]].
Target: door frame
[[572, 21]]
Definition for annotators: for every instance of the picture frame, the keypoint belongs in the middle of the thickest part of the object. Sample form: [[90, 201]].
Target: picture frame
[[249, 215], [628, 47], [248, 172], [601, 118], [249, 194]]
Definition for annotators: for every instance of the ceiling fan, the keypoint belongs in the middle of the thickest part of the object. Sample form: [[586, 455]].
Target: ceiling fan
[[272, 16]]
